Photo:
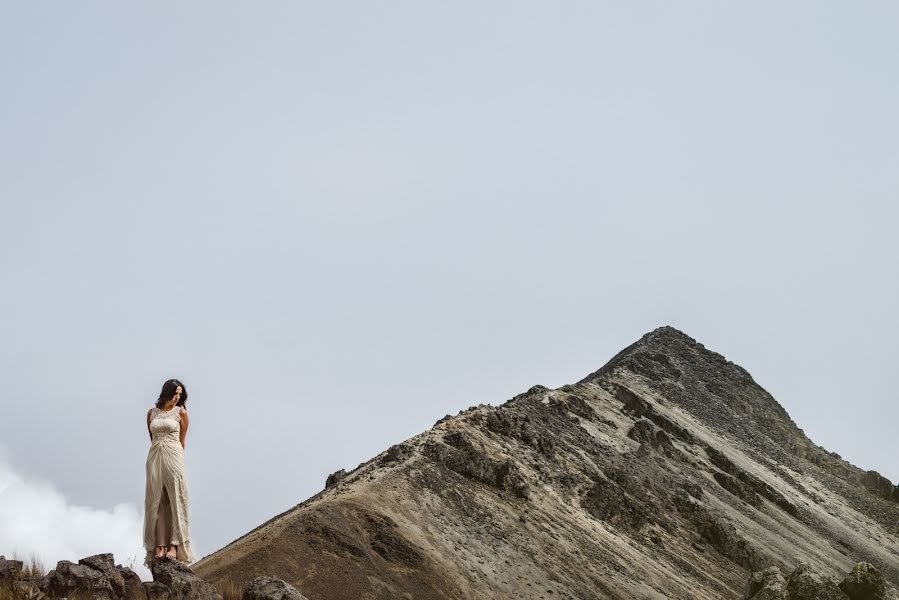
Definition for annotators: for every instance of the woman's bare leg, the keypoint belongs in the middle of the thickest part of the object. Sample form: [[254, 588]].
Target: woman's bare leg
[[164, 521]]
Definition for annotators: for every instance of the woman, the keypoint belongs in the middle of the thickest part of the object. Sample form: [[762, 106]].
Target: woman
[[166, 529]]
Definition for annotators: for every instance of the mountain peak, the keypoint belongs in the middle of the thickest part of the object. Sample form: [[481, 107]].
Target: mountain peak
[[660, 345]]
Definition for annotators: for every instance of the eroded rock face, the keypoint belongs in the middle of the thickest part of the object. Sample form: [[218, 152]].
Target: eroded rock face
[[767, 584], [459, 454], [270, 588], [806, 583], [864, 583]]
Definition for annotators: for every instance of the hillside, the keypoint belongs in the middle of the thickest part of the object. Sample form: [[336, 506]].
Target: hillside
[[667, 473]]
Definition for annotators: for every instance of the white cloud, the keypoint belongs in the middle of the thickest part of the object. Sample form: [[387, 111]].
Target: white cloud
[[35, 518]]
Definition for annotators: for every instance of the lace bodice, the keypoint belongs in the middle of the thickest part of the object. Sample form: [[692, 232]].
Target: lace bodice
[[166, 424]]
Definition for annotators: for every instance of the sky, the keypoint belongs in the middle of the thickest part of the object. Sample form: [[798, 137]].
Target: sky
[[338, 222]]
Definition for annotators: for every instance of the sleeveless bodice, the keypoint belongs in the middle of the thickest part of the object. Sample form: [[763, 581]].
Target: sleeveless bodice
[[166, 425]]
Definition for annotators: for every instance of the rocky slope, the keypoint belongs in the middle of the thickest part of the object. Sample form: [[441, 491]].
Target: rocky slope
[[668, 473]]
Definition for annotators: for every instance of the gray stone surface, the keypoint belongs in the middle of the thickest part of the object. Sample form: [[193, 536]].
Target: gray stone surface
[[270, 588], [183, 583], [864, 583]]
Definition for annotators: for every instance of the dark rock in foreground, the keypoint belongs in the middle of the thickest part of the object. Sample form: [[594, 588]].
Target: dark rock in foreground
[[182, 581], [97, 577], [270, 588]]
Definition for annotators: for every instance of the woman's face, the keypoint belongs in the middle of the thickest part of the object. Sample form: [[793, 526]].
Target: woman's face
[[177, 395]]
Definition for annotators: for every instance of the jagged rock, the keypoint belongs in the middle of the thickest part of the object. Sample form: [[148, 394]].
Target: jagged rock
[[864, 583], [738, 489], [182, 581], [579, 406], [104, 563], [639, 407], [805, 583], [335, 478], [746, 486], [396, 453], [767, 584], [270, 588], [68, 579], [502, 423], [134, 587], [157, 591], [10, 570], [723, 536], [642, 432], [607, 501], [460, 455], [878, 484]]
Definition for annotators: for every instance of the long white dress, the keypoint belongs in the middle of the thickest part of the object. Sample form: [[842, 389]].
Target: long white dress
[[165, 469]]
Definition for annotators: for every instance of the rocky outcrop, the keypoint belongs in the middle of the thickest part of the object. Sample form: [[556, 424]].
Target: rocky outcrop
[[460, 454], [335, 478], [864, 582], [97, 577]]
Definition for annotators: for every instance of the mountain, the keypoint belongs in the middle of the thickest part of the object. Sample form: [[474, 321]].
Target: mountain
[[667, 473]]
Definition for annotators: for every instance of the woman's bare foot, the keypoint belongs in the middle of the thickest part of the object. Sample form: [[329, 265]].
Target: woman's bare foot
[[160, 551], [172, 553]]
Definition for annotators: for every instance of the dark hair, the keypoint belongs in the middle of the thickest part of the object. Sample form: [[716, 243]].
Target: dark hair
[[168, 392]]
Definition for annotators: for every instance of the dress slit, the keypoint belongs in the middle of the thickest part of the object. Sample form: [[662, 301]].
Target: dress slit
[[164, 529]]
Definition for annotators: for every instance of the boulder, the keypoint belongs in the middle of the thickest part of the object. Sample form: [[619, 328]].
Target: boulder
[[69, 579], [10, 570], [864, 583], [134, 587], [182, 581], [157, 591], [105, 564], [335, 478], [270, 588], [805, 583], [767, 584]]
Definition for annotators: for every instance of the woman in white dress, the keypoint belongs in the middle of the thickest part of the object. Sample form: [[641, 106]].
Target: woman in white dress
[[166, 523]]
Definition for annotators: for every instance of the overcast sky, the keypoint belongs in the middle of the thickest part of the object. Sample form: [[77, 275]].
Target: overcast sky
[[338, 222]]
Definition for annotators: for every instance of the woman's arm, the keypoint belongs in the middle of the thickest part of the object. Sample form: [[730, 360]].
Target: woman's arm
[[148, 424], [184, 423]]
